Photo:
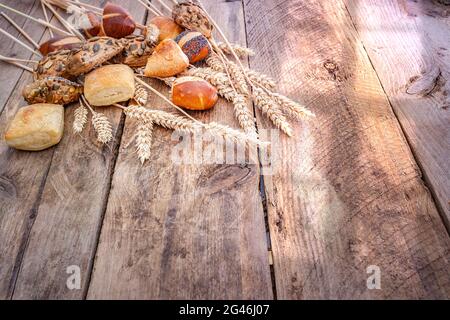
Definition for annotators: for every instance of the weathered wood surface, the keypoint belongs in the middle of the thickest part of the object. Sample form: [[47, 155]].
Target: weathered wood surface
[[413, 38], [349, 194], [71, 208], [22, 174], [346, 192], [11, 74], [183, 231]]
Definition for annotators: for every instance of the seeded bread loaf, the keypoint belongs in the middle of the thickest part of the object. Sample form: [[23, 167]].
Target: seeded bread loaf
[[92, 54]]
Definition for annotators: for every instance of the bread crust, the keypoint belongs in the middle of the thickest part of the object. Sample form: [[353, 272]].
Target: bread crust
[[54, 90], [92, 54], [54, 64], [194, 93], [109, 84], [166, 61], [36, 127]]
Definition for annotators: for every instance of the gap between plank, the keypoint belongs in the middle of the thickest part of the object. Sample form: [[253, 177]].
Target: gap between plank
[[111, 171], [119, 136], [423, 175], [26, 236], [262, 184]]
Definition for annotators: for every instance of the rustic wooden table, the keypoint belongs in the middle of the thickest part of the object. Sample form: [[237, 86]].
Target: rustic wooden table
[[366, 183]]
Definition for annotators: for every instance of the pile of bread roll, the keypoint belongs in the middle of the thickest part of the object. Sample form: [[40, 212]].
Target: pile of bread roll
[[102, 68]]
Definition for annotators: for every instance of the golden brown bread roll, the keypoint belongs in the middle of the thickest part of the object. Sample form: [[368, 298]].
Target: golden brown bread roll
[[167, 27], [36, 127], [166, 61], [194, 93], [109, 84]]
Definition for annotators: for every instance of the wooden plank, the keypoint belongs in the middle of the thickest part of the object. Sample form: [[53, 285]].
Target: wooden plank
[[10, 74], [350, 195], [409, 44], [70, 212], [183, 231], [22, 175]]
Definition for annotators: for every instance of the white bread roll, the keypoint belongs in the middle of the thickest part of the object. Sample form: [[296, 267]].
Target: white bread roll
[[36, 127], [109, 84]]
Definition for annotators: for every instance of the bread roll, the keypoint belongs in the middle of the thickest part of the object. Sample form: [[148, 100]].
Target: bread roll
[[194, 45], [166, 61], [109, 84], [194, 93], [167, 27], [36, 127]]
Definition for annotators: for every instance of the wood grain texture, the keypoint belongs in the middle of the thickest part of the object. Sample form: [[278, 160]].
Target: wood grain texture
[[408, 43], [183, 231], [22, 176], [10, 74], [349, 194], [70, 212]]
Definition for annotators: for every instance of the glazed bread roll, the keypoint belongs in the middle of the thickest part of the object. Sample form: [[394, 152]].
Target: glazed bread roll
[[109, 84], [36, 127], [194, 93]]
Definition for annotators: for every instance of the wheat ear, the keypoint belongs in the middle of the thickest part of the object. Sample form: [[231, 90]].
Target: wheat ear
[[102, 127], [291, 108], [174, 122], [144, 138], [101, 124], [80, 118], [140, 96], [220, 81], [272, 110], [240, 50], [235, 72], [255, 77], [244, 115]]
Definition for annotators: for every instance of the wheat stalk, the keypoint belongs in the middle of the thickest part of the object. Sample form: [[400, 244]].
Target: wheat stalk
[[244, 115], [102, 127], [215, 63], [220, 81], [80, 119], [182, 124], [240, 50], [272, 110], [261, 79], [144, 138], [140, 96], [255, 77], [291, 108], [238, 79]]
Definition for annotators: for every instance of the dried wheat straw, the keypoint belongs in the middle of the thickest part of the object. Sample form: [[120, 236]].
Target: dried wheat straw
[[80, 119], [241, 51], [102, 127], [291, 108], [185, 125], [272, 110], [144, 138]]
